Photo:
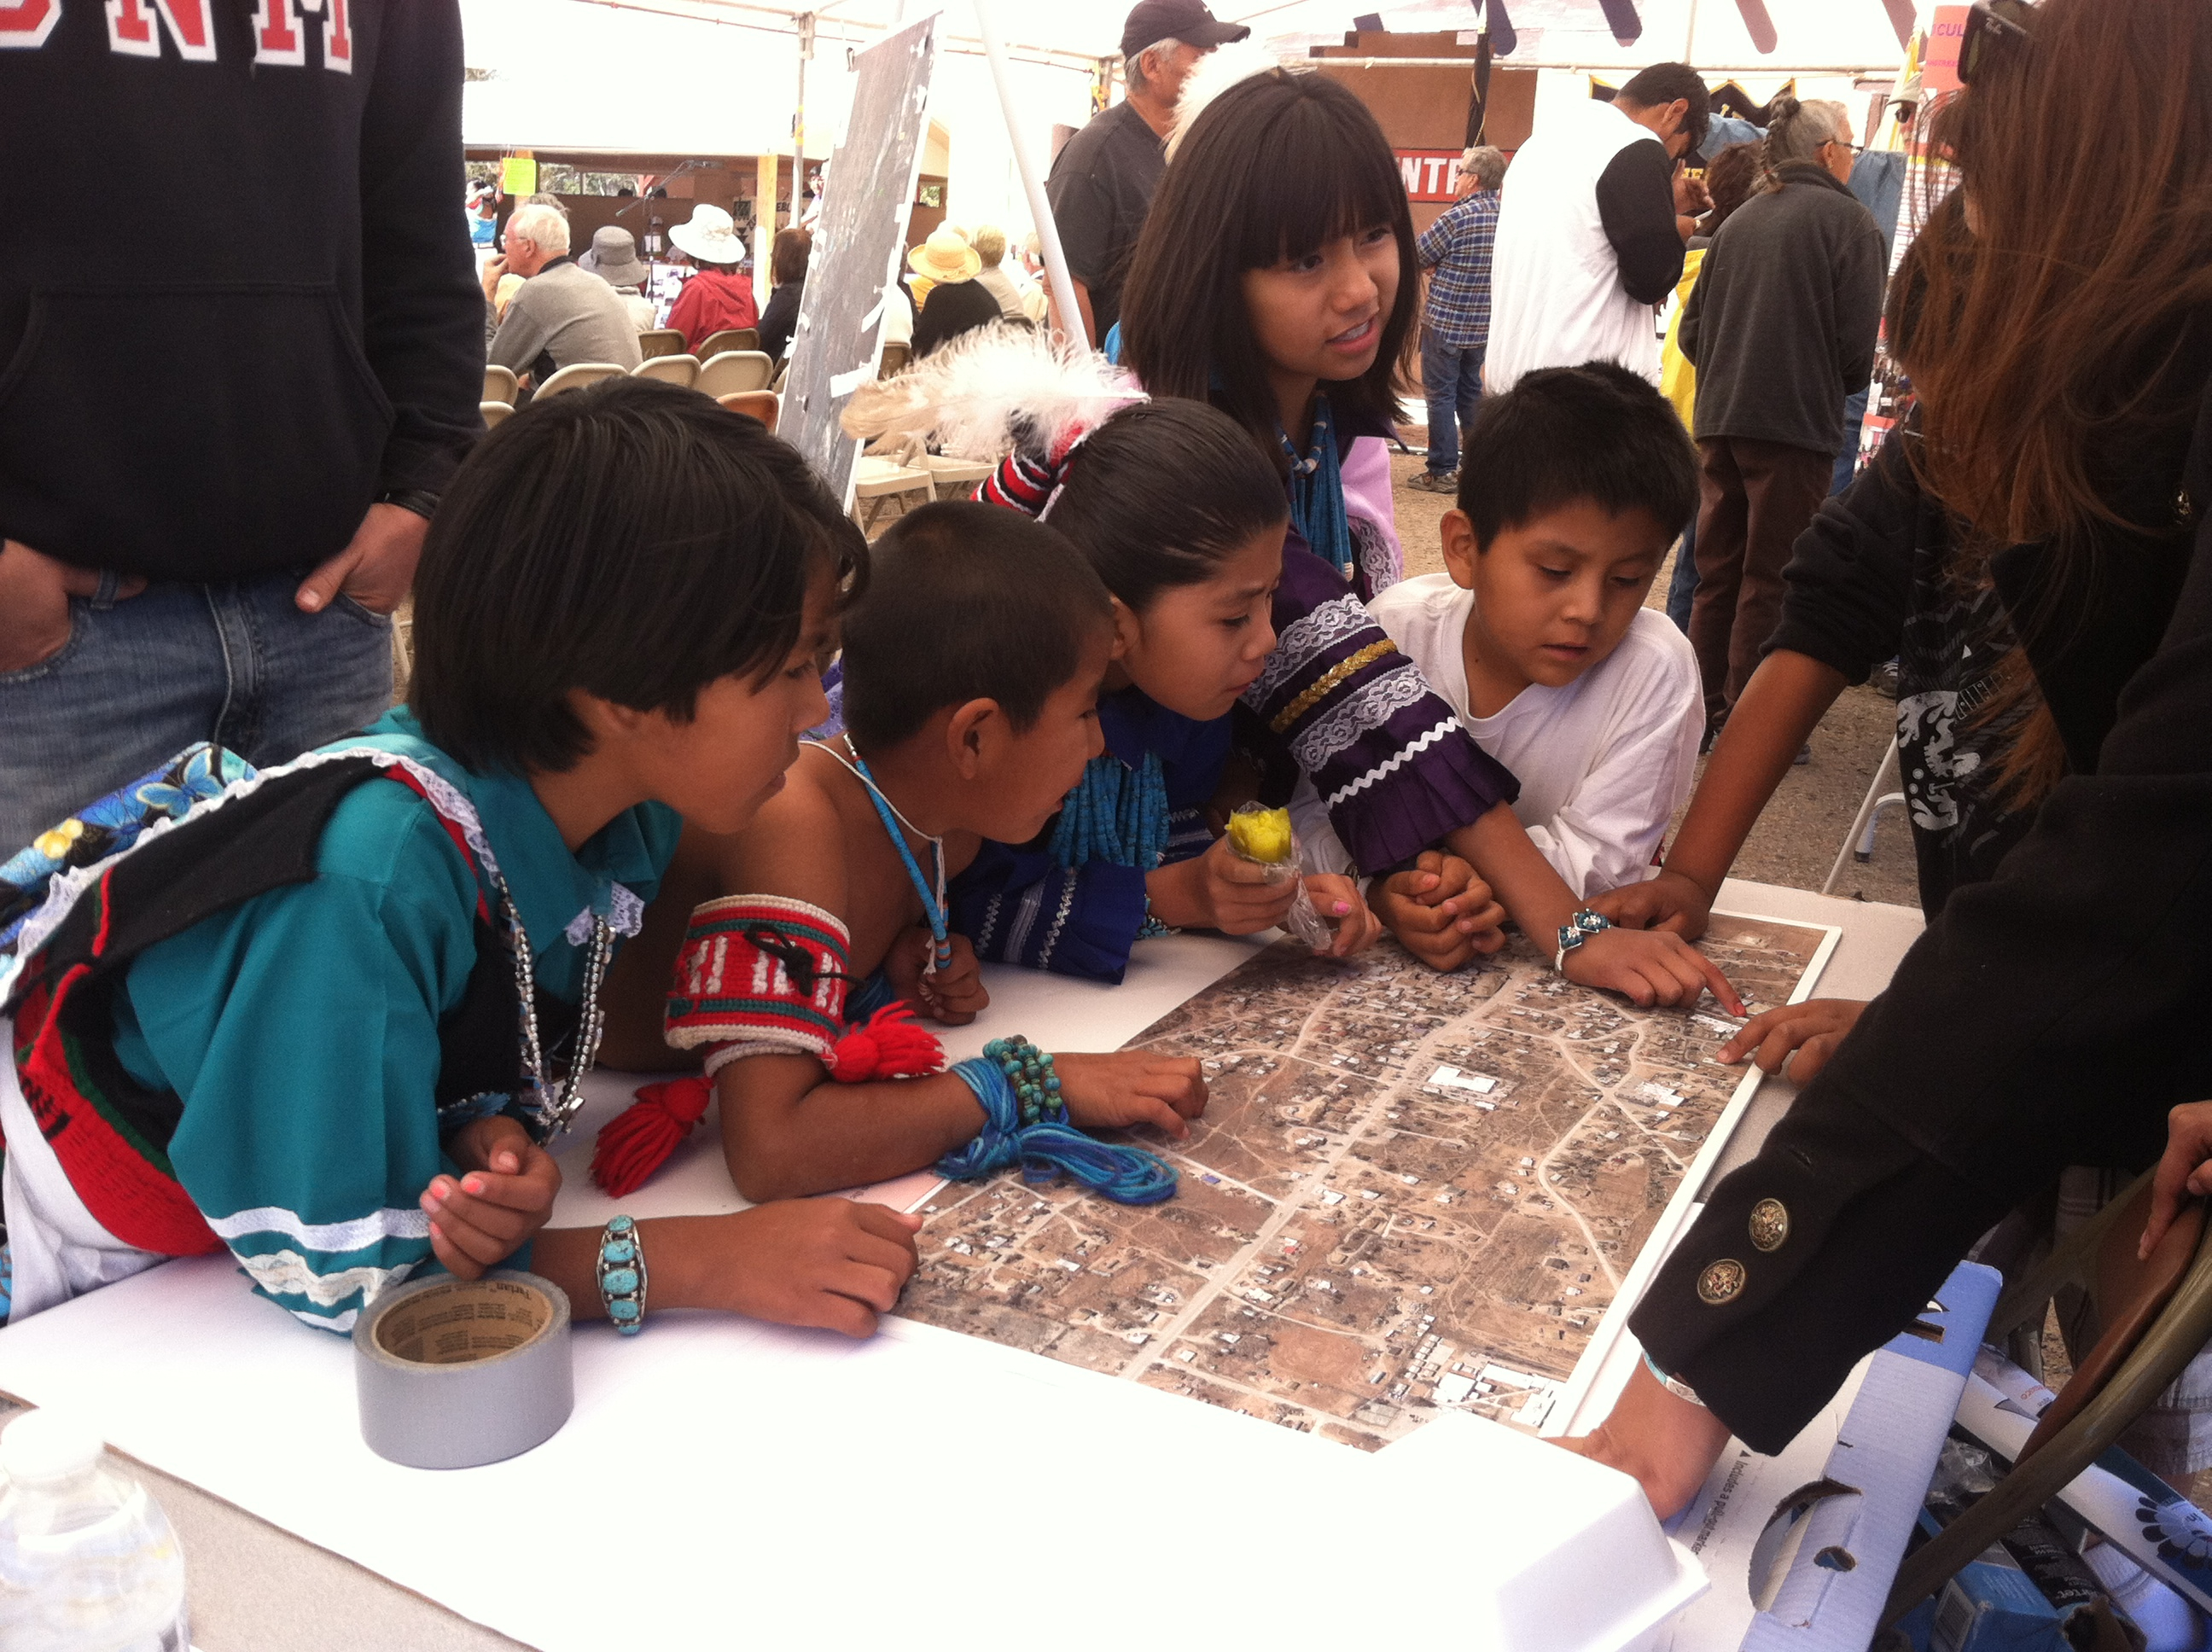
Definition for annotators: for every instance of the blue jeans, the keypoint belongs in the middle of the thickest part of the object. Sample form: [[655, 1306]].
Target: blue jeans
[[1452, 378], [1847, 462], [141, 678], [1682, 588]]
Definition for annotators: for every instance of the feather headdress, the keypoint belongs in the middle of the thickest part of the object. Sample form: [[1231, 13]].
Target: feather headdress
[[993, 390], [1211, 75]]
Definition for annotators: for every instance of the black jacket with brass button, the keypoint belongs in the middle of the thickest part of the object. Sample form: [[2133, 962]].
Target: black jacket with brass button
[[2049, 1017]]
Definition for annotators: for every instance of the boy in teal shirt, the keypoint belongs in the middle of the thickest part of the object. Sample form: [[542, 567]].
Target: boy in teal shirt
[[291, 1023]]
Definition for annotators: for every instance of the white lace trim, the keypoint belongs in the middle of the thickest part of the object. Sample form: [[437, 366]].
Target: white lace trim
[[1302, 638], [288, 1273], [1370, 706], [1405, 754]]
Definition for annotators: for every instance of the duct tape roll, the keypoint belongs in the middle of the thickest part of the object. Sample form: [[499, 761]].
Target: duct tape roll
[[457, 1373]]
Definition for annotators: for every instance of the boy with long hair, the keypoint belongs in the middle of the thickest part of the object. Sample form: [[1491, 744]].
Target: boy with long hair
[[328, 1015]]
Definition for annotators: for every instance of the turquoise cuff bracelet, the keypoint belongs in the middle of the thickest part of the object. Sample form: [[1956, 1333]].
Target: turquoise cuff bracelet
[[622, 1275], [1576, 930]]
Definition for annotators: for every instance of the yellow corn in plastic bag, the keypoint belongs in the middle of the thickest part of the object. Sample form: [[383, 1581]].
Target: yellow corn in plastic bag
[[1261, 835]]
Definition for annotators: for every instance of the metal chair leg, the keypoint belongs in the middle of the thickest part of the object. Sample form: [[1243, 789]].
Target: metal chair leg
[[1885, 776]]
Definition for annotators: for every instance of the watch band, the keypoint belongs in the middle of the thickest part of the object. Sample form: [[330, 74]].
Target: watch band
[[420, 500]]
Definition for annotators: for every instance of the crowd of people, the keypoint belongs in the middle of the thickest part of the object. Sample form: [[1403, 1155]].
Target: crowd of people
[[268, 979]]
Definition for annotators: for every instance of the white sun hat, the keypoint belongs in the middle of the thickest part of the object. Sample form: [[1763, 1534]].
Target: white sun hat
[[710, 236]]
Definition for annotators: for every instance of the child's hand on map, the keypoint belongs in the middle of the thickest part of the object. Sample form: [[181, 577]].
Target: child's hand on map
[[1650, 966], [1338, 901], [830, 1262], [503, 1195], [1669, 901], [1220, 889], [1440, 911], [1108, 1092], [1812, 1029], [954, 996], [2182, 1172]]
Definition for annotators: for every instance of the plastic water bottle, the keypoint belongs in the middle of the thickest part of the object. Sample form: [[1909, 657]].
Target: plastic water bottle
[[87, 1560]]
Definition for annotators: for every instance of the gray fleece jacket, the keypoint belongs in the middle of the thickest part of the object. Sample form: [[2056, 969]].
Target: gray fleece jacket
[[1781, 324]]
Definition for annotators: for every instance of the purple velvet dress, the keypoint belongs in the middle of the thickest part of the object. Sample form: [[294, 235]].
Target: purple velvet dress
[[1389, 757]]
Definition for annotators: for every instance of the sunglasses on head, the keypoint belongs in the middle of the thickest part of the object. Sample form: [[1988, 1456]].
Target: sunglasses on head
[[1990, 29]]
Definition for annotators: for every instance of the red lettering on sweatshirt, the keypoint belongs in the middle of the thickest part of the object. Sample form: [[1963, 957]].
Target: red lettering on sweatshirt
[[337, 33], [27, 23], [276, 37], [131, 28]]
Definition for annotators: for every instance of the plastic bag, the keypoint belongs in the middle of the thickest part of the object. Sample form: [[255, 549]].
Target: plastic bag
[[1264, 837]]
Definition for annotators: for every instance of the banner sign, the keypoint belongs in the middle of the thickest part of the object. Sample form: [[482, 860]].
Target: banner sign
[[1429, 174]]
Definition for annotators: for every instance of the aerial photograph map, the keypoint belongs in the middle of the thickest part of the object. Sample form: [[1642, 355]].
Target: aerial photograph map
[[1409, 1191]]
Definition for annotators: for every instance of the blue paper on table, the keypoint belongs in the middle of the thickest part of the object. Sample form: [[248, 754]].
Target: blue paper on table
[[1819, 1571]]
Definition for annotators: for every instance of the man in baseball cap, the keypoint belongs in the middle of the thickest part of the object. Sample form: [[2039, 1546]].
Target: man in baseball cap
[[1102, 182]]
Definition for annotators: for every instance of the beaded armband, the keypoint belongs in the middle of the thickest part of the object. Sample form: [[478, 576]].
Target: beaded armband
[[622, 1275], [759, 974], [1025, 1123], [1576, 930], [1029, 1070]]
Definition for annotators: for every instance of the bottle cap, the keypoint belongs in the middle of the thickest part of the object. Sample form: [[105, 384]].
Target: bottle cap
[[47, 1445]]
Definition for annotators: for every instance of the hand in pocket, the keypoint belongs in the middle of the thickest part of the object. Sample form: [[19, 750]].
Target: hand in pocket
[[34, 597]]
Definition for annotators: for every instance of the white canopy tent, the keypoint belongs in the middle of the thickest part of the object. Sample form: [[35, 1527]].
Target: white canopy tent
[[725, 76]]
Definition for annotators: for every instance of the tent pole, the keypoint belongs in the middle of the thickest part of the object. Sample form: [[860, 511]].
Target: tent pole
[[1055, 261], [806, 21]]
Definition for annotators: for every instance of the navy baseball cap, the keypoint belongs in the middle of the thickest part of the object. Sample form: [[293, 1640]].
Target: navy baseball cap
[[1178, 20]]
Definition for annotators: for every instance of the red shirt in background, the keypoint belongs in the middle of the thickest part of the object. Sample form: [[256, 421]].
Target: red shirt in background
[[710, 301]]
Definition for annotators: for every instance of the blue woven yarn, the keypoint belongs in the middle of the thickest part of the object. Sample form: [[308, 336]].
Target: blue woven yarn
[[1116, 813], [1128, 1176]]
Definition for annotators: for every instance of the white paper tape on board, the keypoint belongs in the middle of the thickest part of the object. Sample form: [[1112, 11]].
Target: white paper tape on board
[[457, 1373]]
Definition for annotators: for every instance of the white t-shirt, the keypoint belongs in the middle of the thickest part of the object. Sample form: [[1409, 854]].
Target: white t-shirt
[[1556, 299], [1604, 762]]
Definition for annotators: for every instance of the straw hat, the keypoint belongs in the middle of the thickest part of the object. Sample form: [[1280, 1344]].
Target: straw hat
[[944, 257], [710, 236]]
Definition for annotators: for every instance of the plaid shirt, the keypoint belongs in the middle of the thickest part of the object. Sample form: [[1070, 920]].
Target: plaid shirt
[[1457, 247]]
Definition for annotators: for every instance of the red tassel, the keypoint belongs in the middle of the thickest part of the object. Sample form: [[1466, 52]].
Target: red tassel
[[637, 1141], [890, 1044]]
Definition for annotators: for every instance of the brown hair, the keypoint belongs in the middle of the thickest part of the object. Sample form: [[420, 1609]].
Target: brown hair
[[787, 255], [2040, 348], [1731, 179]]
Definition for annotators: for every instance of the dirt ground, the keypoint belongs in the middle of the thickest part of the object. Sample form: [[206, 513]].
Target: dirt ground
[[1796, 840]]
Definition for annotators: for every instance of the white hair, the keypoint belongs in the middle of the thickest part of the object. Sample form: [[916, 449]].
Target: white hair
[[1484, 163], [1132, 66], [543, 227], [1798, 129]]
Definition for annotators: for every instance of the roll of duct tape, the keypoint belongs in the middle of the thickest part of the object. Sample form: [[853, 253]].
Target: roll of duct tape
[[456, 1373]]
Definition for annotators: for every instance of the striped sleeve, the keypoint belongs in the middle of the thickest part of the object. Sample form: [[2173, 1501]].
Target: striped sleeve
[[301, 1029], [1390, 761]]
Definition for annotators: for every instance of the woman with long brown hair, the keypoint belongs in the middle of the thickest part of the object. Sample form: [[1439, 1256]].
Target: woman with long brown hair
[[2060, 343]]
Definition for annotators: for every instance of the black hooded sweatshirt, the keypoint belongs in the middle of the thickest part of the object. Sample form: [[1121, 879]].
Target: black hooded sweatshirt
[[236, 294]]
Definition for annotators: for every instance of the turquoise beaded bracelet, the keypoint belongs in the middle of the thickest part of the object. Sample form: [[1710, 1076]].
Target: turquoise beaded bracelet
[[1029, 1070], [622, 1275]]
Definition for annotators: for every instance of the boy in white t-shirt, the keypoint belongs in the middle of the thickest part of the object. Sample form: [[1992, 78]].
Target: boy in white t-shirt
[[1573, 485]]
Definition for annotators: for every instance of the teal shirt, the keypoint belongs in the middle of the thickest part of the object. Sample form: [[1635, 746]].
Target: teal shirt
[[299, 1028]]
